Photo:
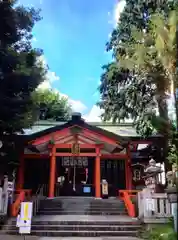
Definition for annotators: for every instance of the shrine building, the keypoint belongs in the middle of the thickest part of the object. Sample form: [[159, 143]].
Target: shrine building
[[72, 158]]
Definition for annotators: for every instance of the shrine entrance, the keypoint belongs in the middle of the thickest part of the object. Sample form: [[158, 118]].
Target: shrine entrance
[[75, 176], [79, 157]]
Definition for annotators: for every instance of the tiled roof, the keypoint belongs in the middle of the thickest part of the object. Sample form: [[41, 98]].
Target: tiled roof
[[122, 129]]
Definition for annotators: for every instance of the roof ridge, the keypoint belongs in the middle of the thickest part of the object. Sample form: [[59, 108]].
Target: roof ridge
[[50, 122]]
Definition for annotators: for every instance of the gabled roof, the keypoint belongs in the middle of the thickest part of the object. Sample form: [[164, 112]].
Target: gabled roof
[[75, 121]]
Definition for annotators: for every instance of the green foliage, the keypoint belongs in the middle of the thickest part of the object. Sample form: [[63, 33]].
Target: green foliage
[[160, 232], [173, 146], [173, 155], [51, 105], [135, 83], [20, 72]]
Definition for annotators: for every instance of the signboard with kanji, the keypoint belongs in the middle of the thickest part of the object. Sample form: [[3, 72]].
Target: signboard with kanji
[[75, 149], [75, 161]]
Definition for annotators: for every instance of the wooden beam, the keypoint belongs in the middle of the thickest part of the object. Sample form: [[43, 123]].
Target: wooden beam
[[141, 142], [69, 146], [99, 137], [36, 155], [84, 139], [103, 156], [114, 156], [63, 138], [91, 139], [50, 136], [97, 173], [91, 135], [52, 174], [128, 168], [21, 172], [80, 155]]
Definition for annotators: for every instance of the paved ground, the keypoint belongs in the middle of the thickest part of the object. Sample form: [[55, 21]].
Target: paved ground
[[7, 237], [85, 218]]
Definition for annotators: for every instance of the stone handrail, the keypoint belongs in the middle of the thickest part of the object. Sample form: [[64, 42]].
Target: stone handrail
[[153, 207], [3, 202], [40, 194]]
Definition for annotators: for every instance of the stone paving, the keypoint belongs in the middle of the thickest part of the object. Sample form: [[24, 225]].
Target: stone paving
[[9, 237]]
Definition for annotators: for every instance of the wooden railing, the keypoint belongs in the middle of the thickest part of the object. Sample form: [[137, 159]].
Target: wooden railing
[[22, 195], [127, 196], [154, 208]]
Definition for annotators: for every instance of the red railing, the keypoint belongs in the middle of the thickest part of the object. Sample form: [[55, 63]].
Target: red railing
[[21, 196], [127, 196]]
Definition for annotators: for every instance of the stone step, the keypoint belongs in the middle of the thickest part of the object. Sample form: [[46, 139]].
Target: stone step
[[84, 233], [82, 222], [97, 201], [82, 198], [83, 206], [77, 206], [91, 227], [74, 212], [83, 209]]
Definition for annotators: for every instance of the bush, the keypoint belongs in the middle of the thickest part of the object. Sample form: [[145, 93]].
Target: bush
[[160, 232]]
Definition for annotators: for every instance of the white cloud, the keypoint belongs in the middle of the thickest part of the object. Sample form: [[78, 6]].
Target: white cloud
[[77, 105], [50, 76], [94, 115], [118, 10], [34, 39], [115, 16]]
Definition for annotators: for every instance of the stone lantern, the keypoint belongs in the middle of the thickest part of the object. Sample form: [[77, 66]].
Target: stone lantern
[[151, 181], [172, 191], [151, 175]]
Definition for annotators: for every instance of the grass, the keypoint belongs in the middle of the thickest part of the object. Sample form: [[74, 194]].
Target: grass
[[160, 232]]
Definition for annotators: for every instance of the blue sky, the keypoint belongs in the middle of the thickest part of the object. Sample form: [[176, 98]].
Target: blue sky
[[73, 34]]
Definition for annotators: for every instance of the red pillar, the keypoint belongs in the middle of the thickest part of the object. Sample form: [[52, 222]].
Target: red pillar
[[20, 180], [52, 172], [128, 169], [97, 174]]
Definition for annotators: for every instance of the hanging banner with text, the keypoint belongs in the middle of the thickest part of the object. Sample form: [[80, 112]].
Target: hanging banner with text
[[75, 161]]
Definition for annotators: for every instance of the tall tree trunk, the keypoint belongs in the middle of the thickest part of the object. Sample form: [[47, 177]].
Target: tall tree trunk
[[164, 128]]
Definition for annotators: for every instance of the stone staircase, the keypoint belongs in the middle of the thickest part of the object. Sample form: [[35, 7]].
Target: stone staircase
[[81, 217], [82, 206]]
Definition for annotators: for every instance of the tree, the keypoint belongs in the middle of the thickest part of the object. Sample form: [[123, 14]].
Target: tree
[[152, 55], [164, 32], [51, 105], [126, 93], [20, 73]]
